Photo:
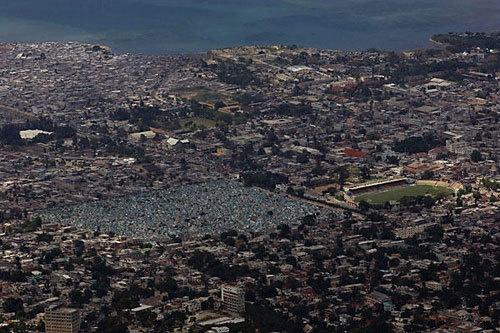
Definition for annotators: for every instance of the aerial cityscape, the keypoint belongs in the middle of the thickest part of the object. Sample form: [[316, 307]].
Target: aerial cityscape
[[259, 188]]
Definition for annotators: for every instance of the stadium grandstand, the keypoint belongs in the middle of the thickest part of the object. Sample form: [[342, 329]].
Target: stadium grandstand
[[376, 186]]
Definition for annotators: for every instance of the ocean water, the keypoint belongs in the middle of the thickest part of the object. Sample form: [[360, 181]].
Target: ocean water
[[184, 26]]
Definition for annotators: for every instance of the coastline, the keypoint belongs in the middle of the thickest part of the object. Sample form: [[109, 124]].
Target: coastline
[[435, 42], [172, 53]]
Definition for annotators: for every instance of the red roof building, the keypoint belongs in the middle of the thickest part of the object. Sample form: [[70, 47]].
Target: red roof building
[[351, 152]]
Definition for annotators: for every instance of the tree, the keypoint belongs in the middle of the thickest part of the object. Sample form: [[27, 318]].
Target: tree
[[476, 156], [392, 160], [101, 286], [342, 174], [79, 247], [364, 206], [171, 320], [14, 305], [235, 73], [146, 318], [417, 144], [428, 201], [265, 179], [435, 232], [303, 157], [267, 319], [284, 230], [9, 135], [364, 172], [124, 300], [477, 196], [49, 255], [112, 325], [32, 225], [168, 285], [427, 174], [78, 298], [46, 238]]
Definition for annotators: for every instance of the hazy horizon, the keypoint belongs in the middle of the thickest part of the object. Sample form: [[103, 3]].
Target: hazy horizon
[[172, 26]]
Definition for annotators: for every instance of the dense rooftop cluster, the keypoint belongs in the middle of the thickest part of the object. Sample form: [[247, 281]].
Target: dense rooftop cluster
[[191, 210]]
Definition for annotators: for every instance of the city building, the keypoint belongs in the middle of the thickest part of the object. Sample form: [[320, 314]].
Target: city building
[[62, 320], [233, 299]]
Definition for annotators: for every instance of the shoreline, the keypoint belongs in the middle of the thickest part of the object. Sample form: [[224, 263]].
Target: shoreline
[[435, 42], [119, 51]]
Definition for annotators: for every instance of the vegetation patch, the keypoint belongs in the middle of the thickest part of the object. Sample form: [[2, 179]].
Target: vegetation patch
[[465, 42], [196, 123], [417, 144]]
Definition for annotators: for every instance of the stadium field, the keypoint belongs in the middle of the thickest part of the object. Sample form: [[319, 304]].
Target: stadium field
[[396, 194]]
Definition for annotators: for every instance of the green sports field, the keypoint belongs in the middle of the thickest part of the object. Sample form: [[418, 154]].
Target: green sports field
[[396, 194]]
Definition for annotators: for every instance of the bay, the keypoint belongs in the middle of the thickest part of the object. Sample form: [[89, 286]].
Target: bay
[[186, 26]]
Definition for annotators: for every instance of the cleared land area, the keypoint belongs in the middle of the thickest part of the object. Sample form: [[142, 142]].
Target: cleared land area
[[198, 94], [398, 193]]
